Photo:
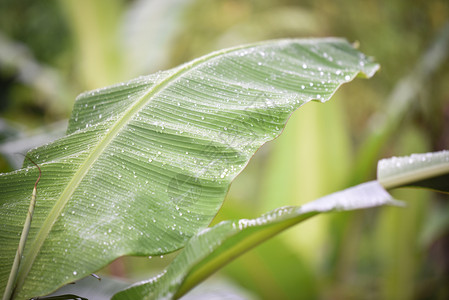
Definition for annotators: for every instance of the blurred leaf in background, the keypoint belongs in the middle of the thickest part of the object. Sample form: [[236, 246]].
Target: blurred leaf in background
[[52, 51]]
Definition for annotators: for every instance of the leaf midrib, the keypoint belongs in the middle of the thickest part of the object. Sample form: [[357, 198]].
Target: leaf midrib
[[42, 234]]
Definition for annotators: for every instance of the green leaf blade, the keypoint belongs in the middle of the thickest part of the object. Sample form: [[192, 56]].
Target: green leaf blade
[[428, 170], [146, 164], [214, 247]]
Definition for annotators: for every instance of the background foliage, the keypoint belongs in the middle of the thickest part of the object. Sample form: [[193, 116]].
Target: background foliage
[[52, 51]]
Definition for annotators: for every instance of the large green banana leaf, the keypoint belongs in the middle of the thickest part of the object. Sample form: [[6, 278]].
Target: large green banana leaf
[[146, 164]]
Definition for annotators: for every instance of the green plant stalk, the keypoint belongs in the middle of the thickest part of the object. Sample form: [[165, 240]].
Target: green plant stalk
[[23, 238]]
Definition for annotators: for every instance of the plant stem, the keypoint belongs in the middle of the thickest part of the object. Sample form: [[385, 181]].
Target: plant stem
[[26, 228]]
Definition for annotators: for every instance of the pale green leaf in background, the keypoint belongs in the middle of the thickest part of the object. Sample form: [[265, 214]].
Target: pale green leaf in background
[[146, 24], [146, 164]]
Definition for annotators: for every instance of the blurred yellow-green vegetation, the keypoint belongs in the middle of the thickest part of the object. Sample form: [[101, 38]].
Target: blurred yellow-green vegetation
[[50, 51]]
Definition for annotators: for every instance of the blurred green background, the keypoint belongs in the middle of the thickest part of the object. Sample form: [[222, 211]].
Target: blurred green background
[[50, 51]]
